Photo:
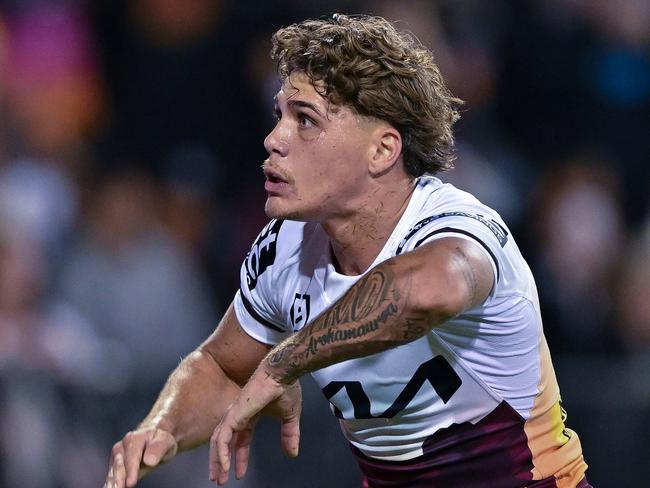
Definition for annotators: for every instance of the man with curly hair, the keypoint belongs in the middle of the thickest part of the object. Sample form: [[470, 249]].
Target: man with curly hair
[[406, 298]]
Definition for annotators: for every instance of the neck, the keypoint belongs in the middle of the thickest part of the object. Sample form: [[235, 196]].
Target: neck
[[359, 237]]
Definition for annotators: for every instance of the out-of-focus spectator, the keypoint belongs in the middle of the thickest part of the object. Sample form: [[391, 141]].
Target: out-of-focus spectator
[[39, 200], [175, 79], [140, 289], [48, 356], [580, 233], [134, 282], [53, 90], [53, 101]]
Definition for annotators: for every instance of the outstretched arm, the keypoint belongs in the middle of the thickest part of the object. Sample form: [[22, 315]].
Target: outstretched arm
[[191, 403], [397, 302]]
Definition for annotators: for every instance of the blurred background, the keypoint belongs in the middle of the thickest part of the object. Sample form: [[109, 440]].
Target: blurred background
[[130, 191]]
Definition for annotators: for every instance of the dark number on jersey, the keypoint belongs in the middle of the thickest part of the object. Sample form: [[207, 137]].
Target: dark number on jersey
[[436, 371]]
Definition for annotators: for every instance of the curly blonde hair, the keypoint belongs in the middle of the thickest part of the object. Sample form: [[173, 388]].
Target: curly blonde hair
[[365, 63]]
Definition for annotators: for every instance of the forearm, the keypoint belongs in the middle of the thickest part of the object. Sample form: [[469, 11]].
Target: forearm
[[379, 312], [395, 303], [193, 400]]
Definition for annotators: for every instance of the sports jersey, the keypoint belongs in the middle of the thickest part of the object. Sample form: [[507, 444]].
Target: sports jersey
[[476, 398]]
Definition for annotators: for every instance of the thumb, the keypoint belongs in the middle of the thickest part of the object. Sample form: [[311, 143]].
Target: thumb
[[290, 435], [160, 448]]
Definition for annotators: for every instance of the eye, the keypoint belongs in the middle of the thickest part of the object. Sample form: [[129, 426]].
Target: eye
[[277, 115], [305, 122]]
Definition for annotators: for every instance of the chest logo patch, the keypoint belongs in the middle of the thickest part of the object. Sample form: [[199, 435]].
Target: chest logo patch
[[300, 308]]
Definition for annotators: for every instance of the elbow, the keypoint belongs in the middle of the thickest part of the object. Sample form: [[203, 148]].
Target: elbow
[[437, 294]]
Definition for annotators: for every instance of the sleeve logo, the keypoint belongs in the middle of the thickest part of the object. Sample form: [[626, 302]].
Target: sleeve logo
[[262, 254], [500, 233]]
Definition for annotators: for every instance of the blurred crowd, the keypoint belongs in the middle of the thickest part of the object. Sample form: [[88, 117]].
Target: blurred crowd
[[130, 190]]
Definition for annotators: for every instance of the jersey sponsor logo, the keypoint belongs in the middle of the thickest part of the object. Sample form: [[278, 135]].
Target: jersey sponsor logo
[[262, 254], [437, 371], [497, 229], [300, 309]]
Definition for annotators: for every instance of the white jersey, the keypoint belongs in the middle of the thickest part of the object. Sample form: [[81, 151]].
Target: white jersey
[[487, 359]]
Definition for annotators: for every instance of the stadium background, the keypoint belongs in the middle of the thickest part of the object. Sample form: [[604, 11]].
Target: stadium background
[[130, 145]]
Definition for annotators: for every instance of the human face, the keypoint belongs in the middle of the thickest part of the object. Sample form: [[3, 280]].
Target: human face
[[317, 167]]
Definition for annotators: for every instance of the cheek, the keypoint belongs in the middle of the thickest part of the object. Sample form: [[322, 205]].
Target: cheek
[[328, 166]]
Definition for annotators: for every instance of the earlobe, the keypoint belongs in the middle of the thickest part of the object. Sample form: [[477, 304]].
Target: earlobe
[[386, 151]]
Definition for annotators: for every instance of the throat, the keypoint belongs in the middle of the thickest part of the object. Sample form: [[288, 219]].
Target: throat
[[360, 236], [356, 245]]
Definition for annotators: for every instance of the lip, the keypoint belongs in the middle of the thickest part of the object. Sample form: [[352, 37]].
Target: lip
[[276, 183], [276, 188]]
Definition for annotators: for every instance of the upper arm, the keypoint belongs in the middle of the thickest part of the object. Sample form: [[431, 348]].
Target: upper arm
[[237, 353], [448, 275]]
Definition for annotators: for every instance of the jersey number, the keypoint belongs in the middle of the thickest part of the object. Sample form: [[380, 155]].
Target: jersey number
[[436, 371]]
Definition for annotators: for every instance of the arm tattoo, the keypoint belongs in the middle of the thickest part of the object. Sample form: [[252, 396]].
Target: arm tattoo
[[369, 318], [414, 327], [360, 302]]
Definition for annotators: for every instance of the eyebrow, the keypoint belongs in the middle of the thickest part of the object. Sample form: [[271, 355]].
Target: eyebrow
[[291, 102], [304, 104]]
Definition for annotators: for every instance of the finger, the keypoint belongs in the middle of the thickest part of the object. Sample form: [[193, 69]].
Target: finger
[[133, 447], [223, 445], [109, 478], [214, 462], [160, 448], [290, 435], [119, 471], [242, 451]]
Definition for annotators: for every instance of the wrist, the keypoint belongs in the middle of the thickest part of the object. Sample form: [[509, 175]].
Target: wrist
[[281, 365]]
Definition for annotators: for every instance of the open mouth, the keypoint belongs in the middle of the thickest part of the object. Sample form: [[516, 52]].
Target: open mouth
[[276, 183], [275, 179], [273, 176]]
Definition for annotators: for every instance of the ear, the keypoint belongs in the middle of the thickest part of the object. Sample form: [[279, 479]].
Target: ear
[[385, 151]]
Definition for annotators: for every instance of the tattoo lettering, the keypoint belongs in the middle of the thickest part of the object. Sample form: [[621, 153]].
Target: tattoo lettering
[[339, 335], [361, 313], [414, 328], [276, 357]]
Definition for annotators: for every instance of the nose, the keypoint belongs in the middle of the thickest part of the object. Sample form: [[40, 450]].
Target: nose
[[277, 141]]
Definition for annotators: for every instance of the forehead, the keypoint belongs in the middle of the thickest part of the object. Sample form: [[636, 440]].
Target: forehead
[[298, 84]]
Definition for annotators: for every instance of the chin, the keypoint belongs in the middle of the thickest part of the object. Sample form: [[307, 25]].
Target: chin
[[275, 210]]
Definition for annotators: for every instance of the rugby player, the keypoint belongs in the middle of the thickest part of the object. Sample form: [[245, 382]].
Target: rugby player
[[406, 298]]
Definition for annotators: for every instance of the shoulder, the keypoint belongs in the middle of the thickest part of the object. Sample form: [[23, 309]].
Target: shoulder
[[268, 274], [442, 210], [280, 244]]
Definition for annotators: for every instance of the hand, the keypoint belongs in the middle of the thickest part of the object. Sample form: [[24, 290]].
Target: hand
[[261, 393], [137, 454]]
